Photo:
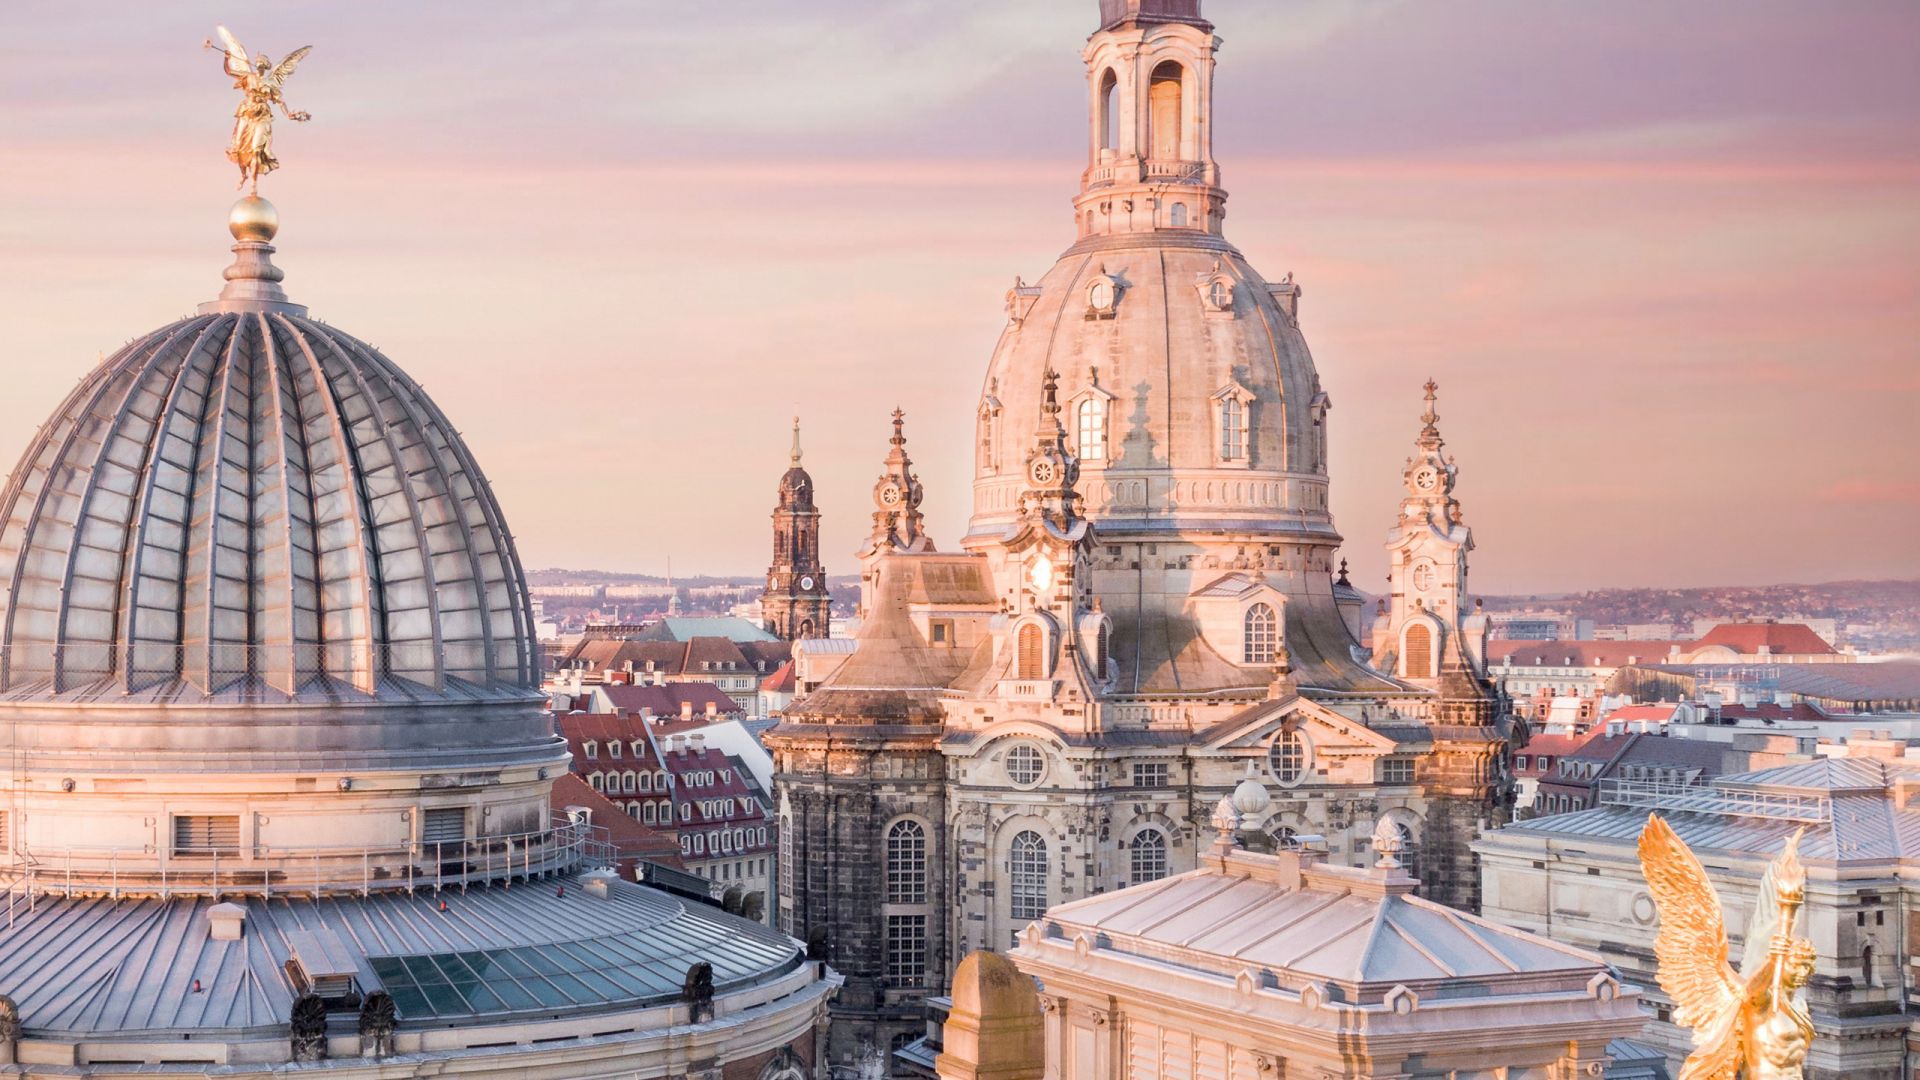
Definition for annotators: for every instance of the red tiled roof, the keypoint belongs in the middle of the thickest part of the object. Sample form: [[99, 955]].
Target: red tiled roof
[[781, 681], [1779, 639], [631, 839], [1578, 653], [668, 699]]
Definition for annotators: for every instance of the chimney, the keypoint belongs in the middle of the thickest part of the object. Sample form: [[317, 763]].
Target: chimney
[[226, 922], [699, 742]]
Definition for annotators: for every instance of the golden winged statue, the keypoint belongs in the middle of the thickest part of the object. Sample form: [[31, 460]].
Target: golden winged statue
[[1752, 1019], [260, 81]]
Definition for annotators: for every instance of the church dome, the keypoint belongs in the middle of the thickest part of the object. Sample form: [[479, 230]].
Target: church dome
[[251, 508]]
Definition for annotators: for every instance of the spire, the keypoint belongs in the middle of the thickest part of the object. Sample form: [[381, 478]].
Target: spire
[[1430, 433], [796, 442], [896, 497]]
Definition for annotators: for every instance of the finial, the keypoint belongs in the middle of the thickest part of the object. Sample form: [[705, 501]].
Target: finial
[[260, 82], [899, 426], [1226, 822], [1343, 573], [253, 282], [796, 442], [1387, 841], [1049, 389]]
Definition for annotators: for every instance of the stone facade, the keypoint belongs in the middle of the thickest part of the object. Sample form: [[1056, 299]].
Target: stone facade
[[1144, 614]]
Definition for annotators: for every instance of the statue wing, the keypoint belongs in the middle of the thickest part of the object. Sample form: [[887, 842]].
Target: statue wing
[[237, 62], [285, 67], [1691, 946], [1765, 921]]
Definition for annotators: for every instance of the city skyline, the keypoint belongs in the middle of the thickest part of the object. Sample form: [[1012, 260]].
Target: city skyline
[[1629, 293]]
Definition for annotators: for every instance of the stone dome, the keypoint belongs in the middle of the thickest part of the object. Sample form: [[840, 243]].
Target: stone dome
[[1191, 325], [251, 508]]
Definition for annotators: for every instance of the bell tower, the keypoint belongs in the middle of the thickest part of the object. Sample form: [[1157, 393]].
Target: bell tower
[[795, 604], [1427, 627], [1150, 122]]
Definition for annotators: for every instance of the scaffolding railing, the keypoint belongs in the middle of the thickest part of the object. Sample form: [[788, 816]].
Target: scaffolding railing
[[1710, 799]]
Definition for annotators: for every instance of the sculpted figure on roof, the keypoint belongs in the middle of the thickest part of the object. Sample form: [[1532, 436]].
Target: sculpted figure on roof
[[1754, 1019]]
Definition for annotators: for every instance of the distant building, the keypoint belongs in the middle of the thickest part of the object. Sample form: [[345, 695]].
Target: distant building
[[657, 654], [632, 842], [1537, 760], [1635, 757], [663, 774], [1537, 626], [1575, 878], [1297, 968], [1536, 670], [795, 604]]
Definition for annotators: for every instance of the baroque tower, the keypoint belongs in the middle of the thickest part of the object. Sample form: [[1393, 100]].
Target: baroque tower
[[795, 604]]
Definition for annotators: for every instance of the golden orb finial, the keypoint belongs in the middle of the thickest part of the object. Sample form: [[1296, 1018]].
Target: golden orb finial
[[253, 218]]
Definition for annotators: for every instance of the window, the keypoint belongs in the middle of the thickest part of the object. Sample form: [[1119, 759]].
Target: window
[[1261, 635], [1102, 648], [906, 949], [940, 632], [785, 866], [907, 863], [1149, 774], [1148, 855], [1092, 428], [1027, 877], [1025, 765], [593, 751], [700, 843], [1031, 640], [1177, 217], [1219, 295], [1866, 965], [1418, 663], [650, 816], [1396, 770], [1520, 763], [597, 782], [1288, 757], [1109, 119], [206, 834], [1233, 429], [1164, 116], [1286, 837], [613, 749]]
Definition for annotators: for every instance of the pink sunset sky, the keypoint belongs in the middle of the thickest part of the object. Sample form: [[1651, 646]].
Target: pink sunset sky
[[1664, 259]]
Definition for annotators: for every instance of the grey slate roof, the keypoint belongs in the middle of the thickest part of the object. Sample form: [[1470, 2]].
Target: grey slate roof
[[104, 967]]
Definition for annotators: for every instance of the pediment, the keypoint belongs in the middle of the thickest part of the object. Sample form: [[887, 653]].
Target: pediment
[[1256, 726]]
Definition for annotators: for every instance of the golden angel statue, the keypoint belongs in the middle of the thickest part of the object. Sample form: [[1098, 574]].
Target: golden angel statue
[[1753, 1018], [260, 79]]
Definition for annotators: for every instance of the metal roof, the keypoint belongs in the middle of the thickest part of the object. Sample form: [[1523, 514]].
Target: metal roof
[[1334, 923], [99, 967], [1864, 822]]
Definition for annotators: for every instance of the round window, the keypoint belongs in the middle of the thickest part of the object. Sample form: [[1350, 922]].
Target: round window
[[1025, 766], [1289, 757]]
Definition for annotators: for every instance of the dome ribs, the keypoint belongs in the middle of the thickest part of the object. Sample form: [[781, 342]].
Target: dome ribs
[[507, 620], [343, 577], [99, 512], [27, 647], [286, 630], [151, 627], [216, 622], [408, 636]]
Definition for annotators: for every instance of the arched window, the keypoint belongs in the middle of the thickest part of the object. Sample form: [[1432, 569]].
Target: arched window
[[907, 863], [1261, 630], [1288, 757], [1148, 855], [1177, 217], [1866, 965], [1219, 294], [1286, 837], [1233, 429], [1102, 649], [1418, 663], [1109, 110], [1030, 641], [1164, 115], [1092, 427], [597, 782], [1027, 877]]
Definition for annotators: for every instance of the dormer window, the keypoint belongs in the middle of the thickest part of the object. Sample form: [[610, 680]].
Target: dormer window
[[1103, 295], [613, 749], [1216, 291], [593, 751]]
